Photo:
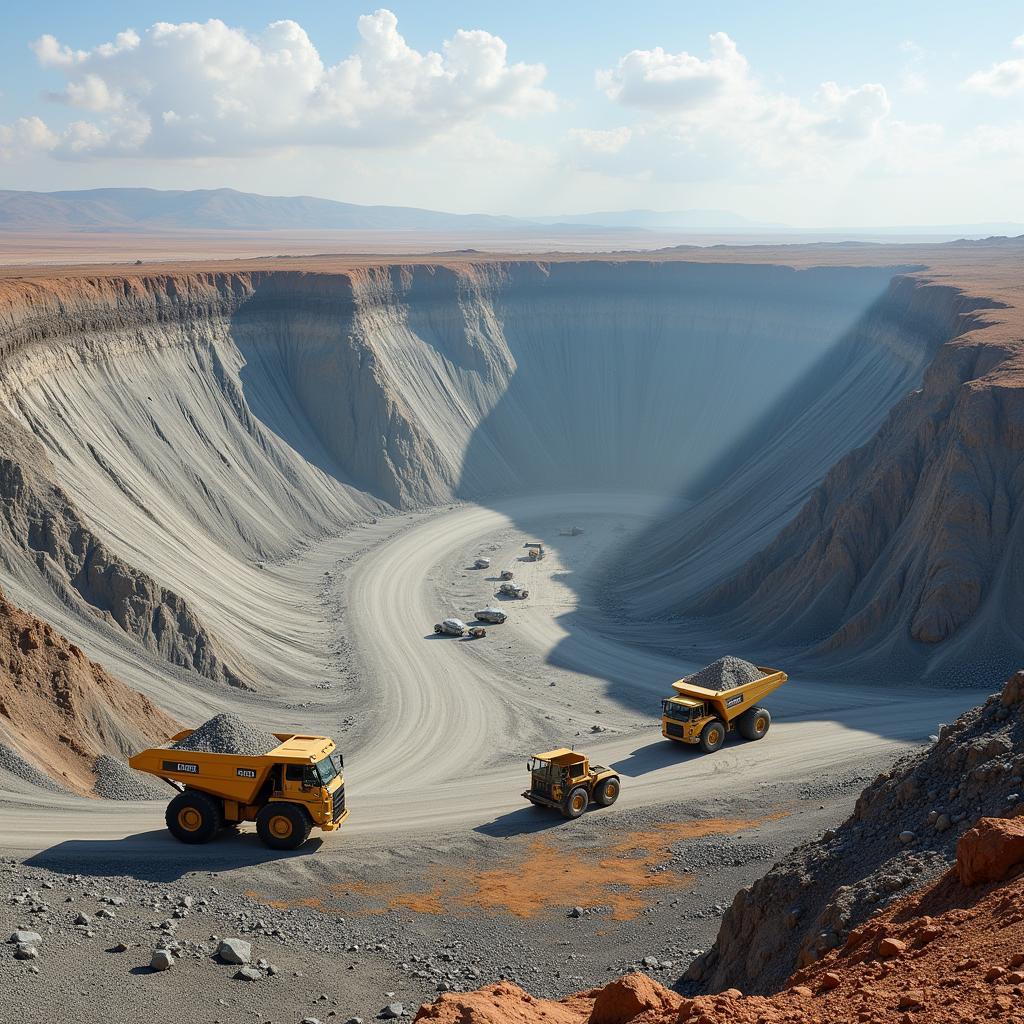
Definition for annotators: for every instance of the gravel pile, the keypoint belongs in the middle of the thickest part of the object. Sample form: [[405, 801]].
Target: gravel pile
[[228, 734], [11, 761], [725, 673], [116, 781]]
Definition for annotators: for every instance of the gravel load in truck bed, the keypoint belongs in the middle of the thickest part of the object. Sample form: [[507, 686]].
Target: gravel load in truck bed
[[228, 734], [725, 673]]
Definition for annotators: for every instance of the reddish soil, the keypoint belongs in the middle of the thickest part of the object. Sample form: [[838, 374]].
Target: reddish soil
[[60, 710], [949, 954]]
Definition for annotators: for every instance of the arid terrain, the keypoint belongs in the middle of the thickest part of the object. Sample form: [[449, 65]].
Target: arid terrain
[[253, 485]]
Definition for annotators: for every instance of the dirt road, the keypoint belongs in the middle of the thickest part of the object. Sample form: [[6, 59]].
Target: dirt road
[[450, 721]]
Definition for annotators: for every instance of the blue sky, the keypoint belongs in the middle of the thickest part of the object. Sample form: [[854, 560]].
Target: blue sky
[[806, 113]]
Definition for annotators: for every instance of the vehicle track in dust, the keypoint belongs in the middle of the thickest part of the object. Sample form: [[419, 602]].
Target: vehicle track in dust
[[443, 712]]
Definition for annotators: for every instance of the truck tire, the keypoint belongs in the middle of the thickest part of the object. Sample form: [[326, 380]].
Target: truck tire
[[283, 826], [753, 724], [194, 817], [607, 791], [575, 803], [712, 736]]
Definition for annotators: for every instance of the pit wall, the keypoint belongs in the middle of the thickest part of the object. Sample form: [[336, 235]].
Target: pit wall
[[203, 423]]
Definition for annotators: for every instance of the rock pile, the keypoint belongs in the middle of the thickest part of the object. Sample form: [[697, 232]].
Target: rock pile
[[228, 734], [725, 673], [116, 781], [903, 833]]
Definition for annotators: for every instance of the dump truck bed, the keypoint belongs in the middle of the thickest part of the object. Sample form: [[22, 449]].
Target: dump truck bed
[[731, 702], [229, 776]]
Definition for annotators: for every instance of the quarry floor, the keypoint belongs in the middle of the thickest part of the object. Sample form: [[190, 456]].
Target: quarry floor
[[441, 863]]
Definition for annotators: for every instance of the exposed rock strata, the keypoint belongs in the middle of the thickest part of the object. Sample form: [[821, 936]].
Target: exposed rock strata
[[60, 710], [903, 832]]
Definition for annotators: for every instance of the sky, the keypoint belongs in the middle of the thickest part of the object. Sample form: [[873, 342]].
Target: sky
[[808, 114]]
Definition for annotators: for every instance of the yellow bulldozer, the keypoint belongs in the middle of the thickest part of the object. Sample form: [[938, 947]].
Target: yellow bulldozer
[[704, 717], [568, 782], [288, 790]]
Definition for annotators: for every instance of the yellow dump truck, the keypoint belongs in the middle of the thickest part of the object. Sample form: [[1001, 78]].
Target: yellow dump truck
[[705, 717], [286, 791], [567, 781]]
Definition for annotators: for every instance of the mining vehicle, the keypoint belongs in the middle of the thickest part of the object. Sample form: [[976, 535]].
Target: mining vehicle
[[536, 550], [456, 627], [704, 717], [287, 791], [506, 574], [567, 781], [513, 590], [495, 615]]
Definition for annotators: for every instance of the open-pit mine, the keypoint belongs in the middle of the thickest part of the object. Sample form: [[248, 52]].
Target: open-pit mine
[[254, 487]]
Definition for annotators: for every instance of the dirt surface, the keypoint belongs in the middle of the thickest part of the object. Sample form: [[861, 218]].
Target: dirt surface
[[948, 954]]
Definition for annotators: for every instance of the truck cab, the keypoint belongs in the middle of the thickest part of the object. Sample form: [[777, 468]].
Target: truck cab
[[683, 718]]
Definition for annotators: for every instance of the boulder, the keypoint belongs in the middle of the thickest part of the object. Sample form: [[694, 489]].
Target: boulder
[[162, 960], [25, 938], [990, 851], [235, 951], [1013, 691], [630, 996]]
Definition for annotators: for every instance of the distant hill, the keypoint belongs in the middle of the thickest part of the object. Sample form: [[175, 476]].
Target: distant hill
[[692, 221], [147, 209]]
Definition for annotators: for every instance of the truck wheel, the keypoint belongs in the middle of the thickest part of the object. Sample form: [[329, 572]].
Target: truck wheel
[[753, 724], [194, 817], [712, 736], [283, 826], [607, 792], [575, 803]]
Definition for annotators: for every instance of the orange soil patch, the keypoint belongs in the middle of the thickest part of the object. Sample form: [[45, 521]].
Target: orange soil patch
[[623, 879], [541, 875]]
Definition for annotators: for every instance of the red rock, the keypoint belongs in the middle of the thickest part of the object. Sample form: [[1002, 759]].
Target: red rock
[[1017, 960], [930, 933], [990, 851], [801, 990], [732, 993], [1015, 978], [891, 947], [993, 973], [1013, 691], [911, 999], [630, 996], [830, 980]]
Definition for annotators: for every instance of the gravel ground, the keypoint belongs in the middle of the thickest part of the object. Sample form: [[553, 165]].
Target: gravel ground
[[228, 734], [725, 673], [116, 781]]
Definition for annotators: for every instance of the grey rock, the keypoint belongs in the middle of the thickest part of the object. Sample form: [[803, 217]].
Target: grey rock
[[392, 1011], [228, 734], [26, 938], [248, 974], [235, 951], [161, 960], [24, 951]]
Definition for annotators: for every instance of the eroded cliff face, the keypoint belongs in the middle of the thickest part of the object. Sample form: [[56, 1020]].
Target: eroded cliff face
[[59, 711], [197, 424], [912, 540]]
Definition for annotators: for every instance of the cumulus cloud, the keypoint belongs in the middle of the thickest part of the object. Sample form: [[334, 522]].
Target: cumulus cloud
[[25, 136], [207, 89], [610, 140], [1002, 79], [714, 108]]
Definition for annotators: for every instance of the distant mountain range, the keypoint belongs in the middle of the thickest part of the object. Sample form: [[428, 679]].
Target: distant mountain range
[[223, 209]]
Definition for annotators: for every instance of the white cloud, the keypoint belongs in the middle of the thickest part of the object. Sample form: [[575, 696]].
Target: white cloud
[[610, 140], [657, 80], [207, 89], [1002, 79], [24, 136], [714, 112]]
